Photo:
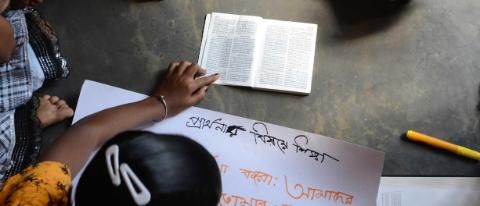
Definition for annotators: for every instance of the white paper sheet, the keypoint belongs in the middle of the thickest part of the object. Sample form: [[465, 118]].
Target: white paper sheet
[[261, 163], [429, 191]]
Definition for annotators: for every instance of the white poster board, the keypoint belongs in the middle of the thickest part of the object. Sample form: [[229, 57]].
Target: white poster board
[[261, 163]]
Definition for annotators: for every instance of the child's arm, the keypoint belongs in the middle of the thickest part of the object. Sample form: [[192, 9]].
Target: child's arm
[[7, 40], [180, 89], [4, 5]]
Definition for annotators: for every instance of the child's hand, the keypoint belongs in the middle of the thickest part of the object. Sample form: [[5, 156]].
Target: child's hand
[[181, 88]]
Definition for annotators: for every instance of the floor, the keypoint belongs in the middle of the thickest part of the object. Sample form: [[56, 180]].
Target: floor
[[374, 78]]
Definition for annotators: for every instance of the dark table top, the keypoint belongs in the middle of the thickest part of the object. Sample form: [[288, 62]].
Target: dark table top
[[372, 80]]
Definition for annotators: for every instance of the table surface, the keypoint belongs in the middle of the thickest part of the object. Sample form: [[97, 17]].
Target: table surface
[[372, 81]]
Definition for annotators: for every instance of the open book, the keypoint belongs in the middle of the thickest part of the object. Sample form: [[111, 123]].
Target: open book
[[259, 53]]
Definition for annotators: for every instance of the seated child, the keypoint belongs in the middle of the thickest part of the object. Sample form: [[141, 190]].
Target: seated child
[[29, 57], [133, 168]]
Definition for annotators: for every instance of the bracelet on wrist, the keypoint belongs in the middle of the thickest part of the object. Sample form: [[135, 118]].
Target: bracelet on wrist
[[161, 99]]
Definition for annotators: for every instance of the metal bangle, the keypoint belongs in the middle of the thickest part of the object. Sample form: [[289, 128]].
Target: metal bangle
[[161, 99]]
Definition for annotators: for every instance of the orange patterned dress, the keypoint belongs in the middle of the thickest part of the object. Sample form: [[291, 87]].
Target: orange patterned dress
[[42, 184]]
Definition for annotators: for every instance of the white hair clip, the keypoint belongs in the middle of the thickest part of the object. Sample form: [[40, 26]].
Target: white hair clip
[[143, 196], [113, 169]]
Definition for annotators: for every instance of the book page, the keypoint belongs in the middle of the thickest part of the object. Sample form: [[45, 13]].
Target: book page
[[288, 56], [228, 47], [206, 26], [423, 191]]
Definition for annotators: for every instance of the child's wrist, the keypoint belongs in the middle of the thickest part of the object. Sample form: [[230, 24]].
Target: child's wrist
[[160, 106]]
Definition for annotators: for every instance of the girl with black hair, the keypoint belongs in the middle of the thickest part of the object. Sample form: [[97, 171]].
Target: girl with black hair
[[133, 168], [141, 168]]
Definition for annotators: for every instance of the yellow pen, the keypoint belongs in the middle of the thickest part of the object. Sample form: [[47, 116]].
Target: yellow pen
[[435, 142]]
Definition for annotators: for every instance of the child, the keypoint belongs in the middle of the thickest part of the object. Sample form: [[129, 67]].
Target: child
[[168, 169], [133, 168], [29, 57]]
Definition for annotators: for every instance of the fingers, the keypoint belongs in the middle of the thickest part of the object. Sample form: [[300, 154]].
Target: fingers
[[187, 68], [192, 70], [205, 81], [182, 67], [200, 73], [172, 66], [199, 94]]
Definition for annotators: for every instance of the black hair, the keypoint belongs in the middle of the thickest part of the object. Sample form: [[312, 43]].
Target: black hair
[[175, 169]]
